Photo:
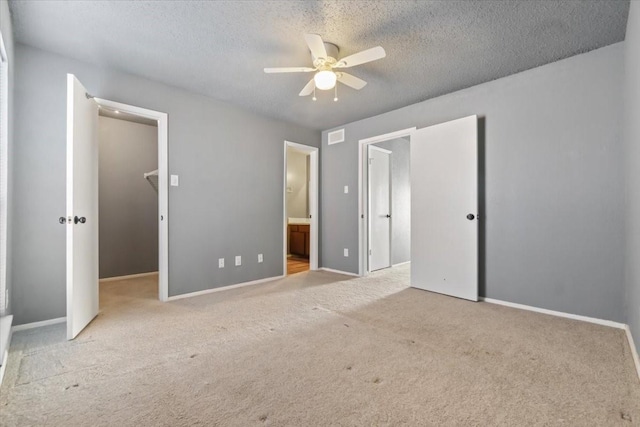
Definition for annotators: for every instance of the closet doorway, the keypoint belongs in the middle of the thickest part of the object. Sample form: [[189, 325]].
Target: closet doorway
[[385, 196], [155, 180], [443, 210], [128, 204], [300, 207]]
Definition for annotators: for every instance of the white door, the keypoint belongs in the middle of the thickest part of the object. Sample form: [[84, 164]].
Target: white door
[[444, 208], [82, 207], [379, 208], [313, 209]]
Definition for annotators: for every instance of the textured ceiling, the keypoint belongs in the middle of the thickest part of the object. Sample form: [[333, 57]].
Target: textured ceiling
[[220, 48]]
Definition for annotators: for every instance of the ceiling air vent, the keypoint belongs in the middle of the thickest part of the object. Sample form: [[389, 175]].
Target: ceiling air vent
[[336, 136]]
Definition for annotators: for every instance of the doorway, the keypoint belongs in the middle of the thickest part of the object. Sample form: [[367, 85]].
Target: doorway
[[444, 206], [158, 177], [300, 208], [127, 183], [385, 201]]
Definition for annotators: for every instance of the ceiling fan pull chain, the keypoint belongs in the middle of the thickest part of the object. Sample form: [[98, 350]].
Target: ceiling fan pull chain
[[314, 94], [335, 98]]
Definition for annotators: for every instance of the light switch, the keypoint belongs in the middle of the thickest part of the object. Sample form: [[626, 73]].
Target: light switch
[[346, 189], [346, 252], [238, 260], [259, 257], [220, 262], [175, 180]]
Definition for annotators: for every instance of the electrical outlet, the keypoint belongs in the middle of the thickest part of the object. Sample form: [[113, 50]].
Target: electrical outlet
[[259, 257], [346, 252], [220, 262], [238, 260]]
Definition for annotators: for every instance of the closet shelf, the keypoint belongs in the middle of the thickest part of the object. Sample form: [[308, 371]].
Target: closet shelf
[[152, 173]]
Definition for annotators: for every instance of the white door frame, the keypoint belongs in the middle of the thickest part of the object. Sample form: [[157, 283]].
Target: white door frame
[[4, 170], [313, 208], [363, 202], [163, 186]]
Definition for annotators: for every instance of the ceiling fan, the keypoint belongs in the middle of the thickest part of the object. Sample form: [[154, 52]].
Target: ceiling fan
[[323, 56]]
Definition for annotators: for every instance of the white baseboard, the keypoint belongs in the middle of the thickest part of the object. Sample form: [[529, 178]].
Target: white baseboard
[[555, 313], [129, 276], [38, 324], [634, 350], [625, 327], [401, 263], [346, 273], [224, 288]]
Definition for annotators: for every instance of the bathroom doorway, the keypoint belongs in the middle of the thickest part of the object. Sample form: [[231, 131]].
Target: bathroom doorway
[[300, 240]]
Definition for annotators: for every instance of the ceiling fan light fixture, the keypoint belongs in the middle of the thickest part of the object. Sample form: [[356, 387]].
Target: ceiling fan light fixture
[[324, 58], [325, 79]]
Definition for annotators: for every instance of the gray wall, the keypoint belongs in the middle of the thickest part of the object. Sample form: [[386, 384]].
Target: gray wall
[[229, 202], [297, 180], [552, 193], [7, 36], [400, 198], [128, 202], [632, 155]]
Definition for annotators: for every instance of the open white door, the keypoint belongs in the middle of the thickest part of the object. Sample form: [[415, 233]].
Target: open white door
[[313, 209], [82, 207], [444, 208], [379, 208]]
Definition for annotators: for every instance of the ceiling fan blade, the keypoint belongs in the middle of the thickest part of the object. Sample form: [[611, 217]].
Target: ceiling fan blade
[[361, 57], [289, 70], [308, 89], [316, 45], [351, 81]]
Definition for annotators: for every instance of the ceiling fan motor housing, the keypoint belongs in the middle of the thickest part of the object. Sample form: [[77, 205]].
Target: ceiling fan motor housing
[[332, 53]]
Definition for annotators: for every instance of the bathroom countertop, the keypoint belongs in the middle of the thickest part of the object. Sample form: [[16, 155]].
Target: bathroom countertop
[[299, 221]]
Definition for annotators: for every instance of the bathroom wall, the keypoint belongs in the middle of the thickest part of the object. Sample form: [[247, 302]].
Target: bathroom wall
[[297, 184]]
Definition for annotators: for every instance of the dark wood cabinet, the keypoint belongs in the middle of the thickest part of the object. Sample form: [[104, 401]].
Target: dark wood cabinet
[[299, 240]]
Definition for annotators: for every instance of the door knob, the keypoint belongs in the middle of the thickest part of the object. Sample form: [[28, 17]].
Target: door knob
[[470, 217], [80, 220], [62, 220], [388, 216]]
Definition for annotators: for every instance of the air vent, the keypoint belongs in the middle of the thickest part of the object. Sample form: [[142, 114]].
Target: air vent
[[336, 136]]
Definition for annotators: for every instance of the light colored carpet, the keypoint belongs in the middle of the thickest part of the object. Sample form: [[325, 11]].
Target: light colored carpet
[[318, 349]]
